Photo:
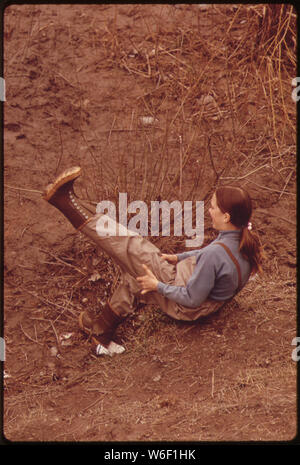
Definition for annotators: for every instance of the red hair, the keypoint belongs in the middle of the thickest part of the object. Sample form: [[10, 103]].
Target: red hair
[[237, 203]]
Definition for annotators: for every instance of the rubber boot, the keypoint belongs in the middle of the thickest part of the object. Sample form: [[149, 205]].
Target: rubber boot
[[103, 327], [61, 195]]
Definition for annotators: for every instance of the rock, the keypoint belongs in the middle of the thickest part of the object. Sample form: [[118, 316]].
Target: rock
[[53, 351]]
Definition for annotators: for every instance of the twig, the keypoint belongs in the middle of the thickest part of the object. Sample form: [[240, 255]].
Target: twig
[[26, 43], [23, 189], [149, 67], [272, 105], [248, 174], [54, 330], [62, 261], [94, 403], [230, 103], [176, 59], [185, 158], [212, 161], [61, 151], [132, 70], [232, 21], [180, 179], [260, 323], [37, 342], [269, 189], [287, 181], [35, 332], [111, 129], [59, 74], [48, 301]]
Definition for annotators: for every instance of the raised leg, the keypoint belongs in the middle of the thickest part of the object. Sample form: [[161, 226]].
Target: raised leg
[[128, 250]]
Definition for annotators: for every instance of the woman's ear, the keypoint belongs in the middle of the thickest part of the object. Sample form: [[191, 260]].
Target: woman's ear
[[226, 218]]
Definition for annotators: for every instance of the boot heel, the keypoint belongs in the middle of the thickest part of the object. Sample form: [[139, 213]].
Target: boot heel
[[66, 176]]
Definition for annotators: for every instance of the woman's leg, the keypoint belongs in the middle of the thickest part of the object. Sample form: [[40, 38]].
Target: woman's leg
[[125, 298], [128, 250]]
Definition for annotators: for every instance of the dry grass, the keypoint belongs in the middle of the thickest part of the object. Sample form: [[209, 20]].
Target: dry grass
[[214, 116]]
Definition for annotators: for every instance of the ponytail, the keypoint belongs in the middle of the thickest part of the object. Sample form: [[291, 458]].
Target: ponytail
[[251, 249], [237, 202]]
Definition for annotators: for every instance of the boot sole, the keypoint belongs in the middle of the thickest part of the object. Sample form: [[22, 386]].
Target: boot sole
[[68, 175]]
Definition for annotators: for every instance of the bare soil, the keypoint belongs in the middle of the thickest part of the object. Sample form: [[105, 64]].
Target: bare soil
[[78, 79]]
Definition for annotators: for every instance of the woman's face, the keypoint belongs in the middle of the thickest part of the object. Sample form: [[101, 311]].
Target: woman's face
[[218, 218]]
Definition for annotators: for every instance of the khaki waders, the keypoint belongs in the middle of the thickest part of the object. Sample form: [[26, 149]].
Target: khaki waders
[[130, 251]]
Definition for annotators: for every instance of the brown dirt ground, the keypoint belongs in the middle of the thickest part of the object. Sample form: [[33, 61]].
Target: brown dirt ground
[[230, 377]]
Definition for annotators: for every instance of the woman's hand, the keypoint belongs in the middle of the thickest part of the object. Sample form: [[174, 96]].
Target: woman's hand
[[171, 258], [148, 281]]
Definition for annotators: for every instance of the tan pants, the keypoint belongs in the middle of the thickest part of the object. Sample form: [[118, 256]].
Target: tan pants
[[130, 251]]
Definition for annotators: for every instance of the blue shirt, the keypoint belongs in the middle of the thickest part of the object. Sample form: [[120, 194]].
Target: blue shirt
[[215, 275]]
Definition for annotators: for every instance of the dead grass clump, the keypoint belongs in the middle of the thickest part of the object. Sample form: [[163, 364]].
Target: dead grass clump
[[277, 35]]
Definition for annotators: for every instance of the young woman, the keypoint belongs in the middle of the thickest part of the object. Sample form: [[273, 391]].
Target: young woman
[[185, 286]]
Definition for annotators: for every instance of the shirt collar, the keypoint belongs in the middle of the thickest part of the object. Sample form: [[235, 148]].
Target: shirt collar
[[234, 233]]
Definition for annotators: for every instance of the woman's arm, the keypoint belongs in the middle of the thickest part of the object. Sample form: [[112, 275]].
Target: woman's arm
[[198, 286], [196, 290], [184, 255]]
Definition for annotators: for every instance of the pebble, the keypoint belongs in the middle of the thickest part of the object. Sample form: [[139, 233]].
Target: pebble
[[147, 120], [53, 351]]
